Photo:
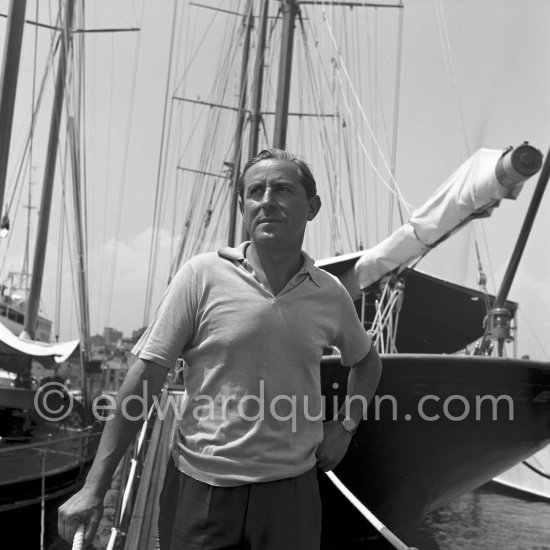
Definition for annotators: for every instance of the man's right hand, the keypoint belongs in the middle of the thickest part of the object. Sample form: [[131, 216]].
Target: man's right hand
[[83, 508], [86, 507]]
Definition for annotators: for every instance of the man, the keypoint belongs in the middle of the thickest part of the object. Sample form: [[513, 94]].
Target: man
[[251, 324]]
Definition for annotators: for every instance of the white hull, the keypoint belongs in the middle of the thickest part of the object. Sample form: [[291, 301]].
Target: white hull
[[523, 478]]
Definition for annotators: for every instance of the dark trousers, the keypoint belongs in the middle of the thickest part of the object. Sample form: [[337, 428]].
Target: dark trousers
[[276, 515]]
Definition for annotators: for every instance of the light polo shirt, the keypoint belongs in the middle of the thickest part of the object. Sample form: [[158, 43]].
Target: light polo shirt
[[253, 409]]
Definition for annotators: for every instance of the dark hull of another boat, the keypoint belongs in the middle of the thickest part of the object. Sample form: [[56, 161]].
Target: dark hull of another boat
[[21, 507], [418, 450], [52, 466]]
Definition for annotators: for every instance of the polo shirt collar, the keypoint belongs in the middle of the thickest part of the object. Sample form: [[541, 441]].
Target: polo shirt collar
[[237, 254]]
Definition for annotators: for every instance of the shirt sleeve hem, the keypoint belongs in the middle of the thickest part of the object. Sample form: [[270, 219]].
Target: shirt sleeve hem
[[148, 356], [350, 360]]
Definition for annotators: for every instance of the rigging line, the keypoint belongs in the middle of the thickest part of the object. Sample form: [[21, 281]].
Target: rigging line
[[63, 176], [364, 149], [316, 97], [487, 253], [20, 162], [341, 64], [80, 45], [11, 233], [352, 118], [482, 280], [358, 202], [174, 236], [159, 189], [88, 149], [351, 192], [104, 278], [327, 147], [342, 215], [59, 279], [161, 174], [31, 156], [77, 145], [207, 217], [534, 335], [122, 14], [339, 211], [271, 61], [397, 89], [123, 170], [197, 49], [206, 155], [450, 69], [538, 471], [374, 87]]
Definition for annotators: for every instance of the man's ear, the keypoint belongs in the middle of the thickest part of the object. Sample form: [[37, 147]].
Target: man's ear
[[314, 207]]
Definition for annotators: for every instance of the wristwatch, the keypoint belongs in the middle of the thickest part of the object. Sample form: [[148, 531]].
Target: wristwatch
[[348, 424]]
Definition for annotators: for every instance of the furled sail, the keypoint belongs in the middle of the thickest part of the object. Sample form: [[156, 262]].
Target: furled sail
[[472, 191]]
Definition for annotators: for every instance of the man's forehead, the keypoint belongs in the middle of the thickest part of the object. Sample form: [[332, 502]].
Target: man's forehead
[[273, 167]]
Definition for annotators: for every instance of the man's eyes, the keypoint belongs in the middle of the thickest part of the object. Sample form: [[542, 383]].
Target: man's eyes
[[259, 191]]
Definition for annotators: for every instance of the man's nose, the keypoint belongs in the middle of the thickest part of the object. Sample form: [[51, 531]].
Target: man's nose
[[268, 198]]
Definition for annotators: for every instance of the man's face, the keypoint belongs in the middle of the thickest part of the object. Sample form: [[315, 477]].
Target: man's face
[[274, 203]]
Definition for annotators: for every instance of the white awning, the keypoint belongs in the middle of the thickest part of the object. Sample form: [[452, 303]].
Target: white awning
[[59, 352]]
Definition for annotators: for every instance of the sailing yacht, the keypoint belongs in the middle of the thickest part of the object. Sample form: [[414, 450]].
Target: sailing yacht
[[322, 78]]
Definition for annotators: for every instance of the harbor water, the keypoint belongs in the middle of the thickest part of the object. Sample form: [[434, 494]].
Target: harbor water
[[488, 518]]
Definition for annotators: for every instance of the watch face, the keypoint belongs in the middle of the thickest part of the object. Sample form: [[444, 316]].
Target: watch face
[[349, 424]]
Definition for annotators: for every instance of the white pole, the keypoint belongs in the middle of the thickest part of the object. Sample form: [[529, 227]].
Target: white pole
[[365, 512]]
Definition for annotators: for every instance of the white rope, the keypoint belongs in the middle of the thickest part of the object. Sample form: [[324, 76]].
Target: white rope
[[450, 69], [366, 513], [78, 539], [395, 189]]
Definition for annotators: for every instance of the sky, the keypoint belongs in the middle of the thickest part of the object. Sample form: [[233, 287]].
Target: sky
[[474, 74]]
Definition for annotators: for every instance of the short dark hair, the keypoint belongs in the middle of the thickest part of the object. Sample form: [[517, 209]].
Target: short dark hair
[[306, 177]]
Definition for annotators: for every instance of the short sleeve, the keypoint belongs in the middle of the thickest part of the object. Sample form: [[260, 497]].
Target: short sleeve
[[174, 323], [353, 340]]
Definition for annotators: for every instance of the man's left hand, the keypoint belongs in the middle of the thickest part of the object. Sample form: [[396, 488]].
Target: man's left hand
[[334, 446]]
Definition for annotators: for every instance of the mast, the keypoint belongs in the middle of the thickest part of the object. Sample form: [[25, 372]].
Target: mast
[[49, 173], [526, 160], [533, 164], [257, 84], [10, 73], [249, 22], [290, 8], [25, 271], [81, 256]]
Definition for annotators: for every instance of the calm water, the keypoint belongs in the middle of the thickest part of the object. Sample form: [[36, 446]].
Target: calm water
[[486, 519]]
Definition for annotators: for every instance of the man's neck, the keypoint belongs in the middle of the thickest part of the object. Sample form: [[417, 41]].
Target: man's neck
[[274, 264]]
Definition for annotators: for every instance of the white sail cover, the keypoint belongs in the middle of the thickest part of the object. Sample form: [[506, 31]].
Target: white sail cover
[[473, 190], [59, 352]]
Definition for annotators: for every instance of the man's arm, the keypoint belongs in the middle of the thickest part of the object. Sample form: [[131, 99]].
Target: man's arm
[[362, 382], [144, 378]]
